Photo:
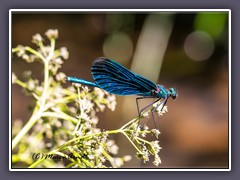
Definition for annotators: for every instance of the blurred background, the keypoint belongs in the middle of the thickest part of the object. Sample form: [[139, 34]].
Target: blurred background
[[187, 51]]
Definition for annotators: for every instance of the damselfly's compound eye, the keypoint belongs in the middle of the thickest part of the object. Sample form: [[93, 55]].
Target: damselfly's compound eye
[[173, 93]]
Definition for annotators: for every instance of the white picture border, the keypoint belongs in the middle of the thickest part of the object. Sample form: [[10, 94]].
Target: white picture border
[[117, 10]]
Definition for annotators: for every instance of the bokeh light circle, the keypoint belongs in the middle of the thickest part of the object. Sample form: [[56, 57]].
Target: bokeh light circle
[[118, 45], [199, 46]]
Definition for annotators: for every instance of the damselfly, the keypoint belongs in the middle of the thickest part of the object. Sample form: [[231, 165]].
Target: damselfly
[[116, 79]]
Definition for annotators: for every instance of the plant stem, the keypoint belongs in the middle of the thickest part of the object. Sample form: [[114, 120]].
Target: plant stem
[[130, 122], [46, 82], [22, 84], [38, 114], [61, 116], [35, 53], [26, 128], [109, 158], [132, 142]]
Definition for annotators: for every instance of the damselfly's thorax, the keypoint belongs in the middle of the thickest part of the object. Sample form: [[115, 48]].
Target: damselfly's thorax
[[164, 93]]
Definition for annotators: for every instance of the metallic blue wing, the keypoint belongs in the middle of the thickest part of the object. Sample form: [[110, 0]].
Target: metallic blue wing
[[114, 78]]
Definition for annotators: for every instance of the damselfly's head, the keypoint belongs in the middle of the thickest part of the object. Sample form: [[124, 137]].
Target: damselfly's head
[[172, 93], [164, 93]]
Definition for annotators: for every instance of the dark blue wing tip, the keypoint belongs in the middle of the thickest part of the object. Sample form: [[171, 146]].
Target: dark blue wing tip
[[100, 60], [103, 60]]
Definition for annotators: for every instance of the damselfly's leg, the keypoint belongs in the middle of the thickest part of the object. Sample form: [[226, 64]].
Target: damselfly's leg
[[163, 102], [139, 113]]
